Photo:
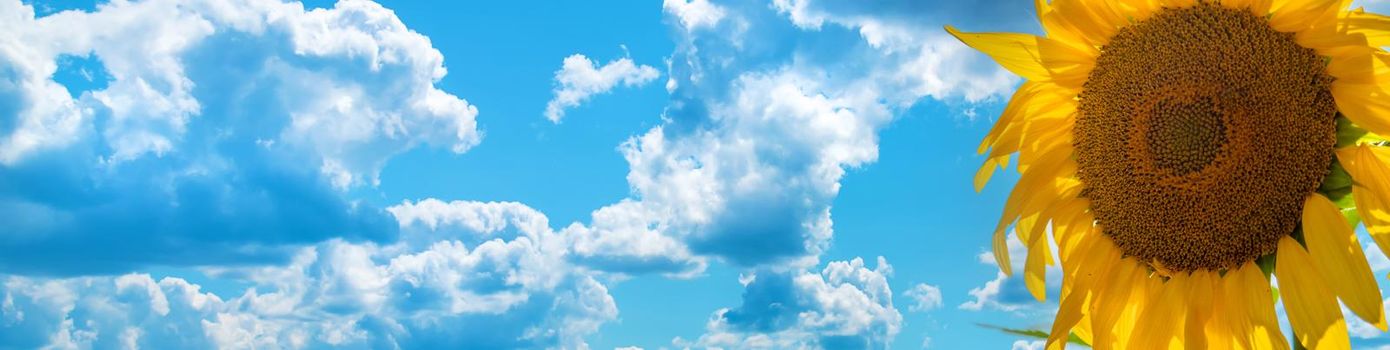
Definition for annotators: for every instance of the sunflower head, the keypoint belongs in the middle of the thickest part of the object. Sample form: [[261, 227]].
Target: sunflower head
[[1196, 147], [1171, 146]]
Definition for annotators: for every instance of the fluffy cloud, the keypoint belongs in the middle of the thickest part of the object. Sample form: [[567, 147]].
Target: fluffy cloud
[[694, 14], [755, 188], [227, 132], [1028, 345], [1010, 293], [758, 137], [845, 306], [925, 297], [579, 79], [233, 132], [911, 55], [494, 276]]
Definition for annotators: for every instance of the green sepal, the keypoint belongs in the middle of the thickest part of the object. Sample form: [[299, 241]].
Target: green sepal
[[1352, 215], [1337, 179], [1266, 264], [1348, 134]]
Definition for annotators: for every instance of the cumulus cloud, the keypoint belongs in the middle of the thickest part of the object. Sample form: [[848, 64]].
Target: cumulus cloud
[[694, 14], [756, 139], [578, 80], [845, 306], [1010, 293], [910, 51], [229, 132], [494, 276], [756, 188], [1028, 345], [250, 122], [925, 297]]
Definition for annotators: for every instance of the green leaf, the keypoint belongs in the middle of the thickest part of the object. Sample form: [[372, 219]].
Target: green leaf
[[1032, 333]]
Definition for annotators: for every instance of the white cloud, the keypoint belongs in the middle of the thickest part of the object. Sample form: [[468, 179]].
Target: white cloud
[[694, 14], [233, 129], [925, 297], [1360, 329], [743, 169], [152, 98], [1028, 345], [912, 55], [755, 141], [1376, 258], [754, 186], [509, 290], [1010, 293], [846, 305], [480, 218], [579, 79], [625, 238]]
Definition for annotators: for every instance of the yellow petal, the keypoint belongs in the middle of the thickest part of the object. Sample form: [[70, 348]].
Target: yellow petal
[[1057, 27], [1094, 21], [1067, 65], [1167, 310], [1178, 3], [1046, 135], [1366, 66], [1257, 7], [1121, 288], [1366, 105], [1044, 116], [1337, 254], [1375, 215], [1065, 223], [986, 171], [1312, 308], [1331, 42], [1375, 27], [1372, 180], [1032, 183], [1296, 15], [1199, 311], [1138, 10], [1096, 268], [1146, 289], [1018, 104], [1001, 253], [1250, 286], [1229, 327], [1034, 269], [1017, 52]]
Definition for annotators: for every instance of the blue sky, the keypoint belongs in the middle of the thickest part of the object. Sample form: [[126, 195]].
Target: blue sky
[[502, 174]]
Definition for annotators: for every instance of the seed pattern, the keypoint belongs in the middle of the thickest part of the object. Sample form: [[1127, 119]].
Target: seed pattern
[[1200, 132]]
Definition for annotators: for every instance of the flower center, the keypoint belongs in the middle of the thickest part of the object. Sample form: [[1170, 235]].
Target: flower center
[[1201, 130], [1184, 136]]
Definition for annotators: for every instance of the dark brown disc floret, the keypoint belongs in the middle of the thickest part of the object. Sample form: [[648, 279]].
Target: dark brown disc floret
[[1201, 131]]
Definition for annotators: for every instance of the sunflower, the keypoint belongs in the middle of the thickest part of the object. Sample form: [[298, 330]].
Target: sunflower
[[1184, 154]]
